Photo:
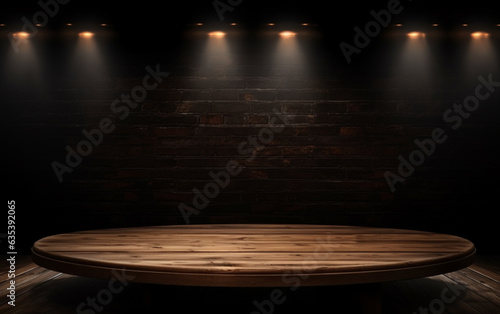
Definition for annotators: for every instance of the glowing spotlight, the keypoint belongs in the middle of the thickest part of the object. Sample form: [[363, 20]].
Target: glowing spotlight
[[287, 34], [217, 34], [23, 66], [86, 35], [234, 24], [480, 56], [399, 25], [69, 24], [87, 64], [199, 24], [435, 25], [465, 25], [270, 24], [478, 35], [415, 35], [217, 50], [414, 60], [21, 35]]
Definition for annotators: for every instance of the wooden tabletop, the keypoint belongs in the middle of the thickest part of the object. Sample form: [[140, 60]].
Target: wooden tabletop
[[249, 255]]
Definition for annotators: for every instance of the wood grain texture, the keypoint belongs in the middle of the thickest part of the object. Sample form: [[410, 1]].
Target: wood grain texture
[[255, 255]]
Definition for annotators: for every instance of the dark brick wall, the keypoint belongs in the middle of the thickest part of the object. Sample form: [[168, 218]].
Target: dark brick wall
[[345, 127]]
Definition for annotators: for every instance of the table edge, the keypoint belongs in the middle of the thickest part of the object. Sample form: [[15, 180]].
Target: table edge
[[285, 279]]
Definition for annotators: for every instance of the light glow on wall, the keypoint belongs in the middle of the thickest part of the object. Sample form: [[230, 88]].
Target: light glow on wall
[[287, 34], [415, 35], [86, 34], [217, 34], [289, 57], [87, 64], [480, 56], [479, 35], [21, 35], [23, 67], [413, 62], [216, 50]]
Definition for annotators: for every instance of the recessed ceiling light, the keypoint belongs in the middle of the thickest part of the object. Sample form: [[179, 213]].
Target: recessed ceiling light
[[416, 35], [86, 34], [287, 34], [217, 34], [22, 35], [479, 35]]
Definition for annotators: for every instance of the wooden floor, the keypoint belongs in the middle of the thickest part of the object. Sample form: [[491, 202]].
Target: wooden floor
[[473, 290]]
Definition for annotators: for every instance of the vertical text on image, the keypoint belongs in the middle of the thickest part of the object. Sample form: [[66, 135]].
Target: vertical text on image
[[11, 252]]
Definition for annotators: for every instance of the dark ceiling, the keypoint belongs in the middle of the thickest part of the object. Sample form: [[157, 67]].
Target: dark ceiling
[[151, 26], [165, 16]]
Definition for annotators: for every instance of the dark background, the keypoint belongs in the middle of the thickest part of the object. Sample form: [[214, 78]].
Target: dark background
[[348, 122]]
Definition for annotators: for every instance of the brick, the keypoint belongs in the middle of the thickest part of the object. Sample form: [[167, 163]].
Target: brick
[[128, 83], [224, 95], [247, 96], [234, 119], [150, 107], [189, 95], [224, 107], [264, 107], [301, 95], [257, 119], [168, 107], [212, 119], [192, 83], [164, 95], [213, 71], [184, 119], [301, 150], [249, 71], [173, 131], [290, 70], [262, 83], [351, 131], [228, 83], [331, 107]]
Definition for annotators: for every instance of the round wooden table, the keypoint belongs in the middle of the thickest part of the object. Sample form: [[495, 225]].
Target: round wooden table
[[265, 255]]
